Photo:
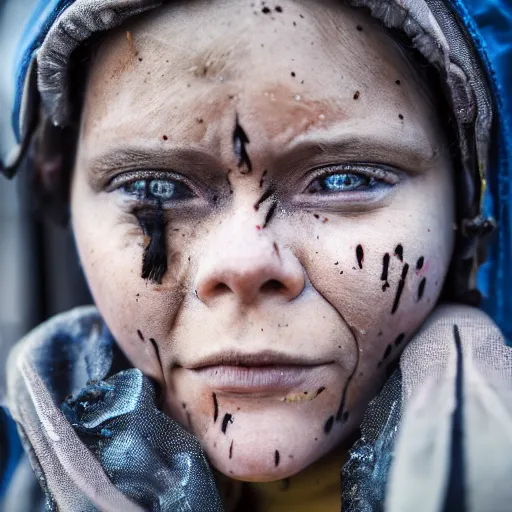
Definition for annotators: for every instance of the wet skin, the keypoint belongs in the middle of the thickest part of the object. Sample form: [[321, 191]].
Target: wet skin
[[261, 188]]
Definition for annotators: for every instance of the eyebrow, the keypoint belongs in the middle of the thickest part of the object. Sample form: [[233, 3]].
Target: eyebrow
[[121, 158], [336, 141], [388, 146], [101, 167]]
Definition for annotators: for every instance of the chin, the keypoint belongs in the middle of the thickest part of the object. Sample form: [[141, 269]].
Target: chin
[[250, 469]]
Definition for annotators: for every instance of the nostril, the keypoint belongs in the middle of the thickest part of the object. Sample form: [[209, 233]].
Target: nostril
[[221, 288], [273, 285]]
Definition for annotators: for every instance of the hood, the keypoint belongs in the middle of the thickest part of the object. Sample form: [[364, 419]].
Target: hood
[[470, 45]]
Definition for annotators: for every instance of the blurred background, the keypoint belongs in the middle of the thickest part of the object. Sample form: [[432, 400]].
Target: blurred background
[[39, 271]]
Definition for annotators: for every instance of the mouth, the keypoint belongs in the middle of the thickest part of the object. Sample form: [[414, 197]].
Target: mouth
[[263, 372]]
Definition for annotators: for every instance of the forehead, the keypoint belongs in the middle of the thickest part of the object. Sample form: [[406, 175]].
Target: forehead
[[301, 65]]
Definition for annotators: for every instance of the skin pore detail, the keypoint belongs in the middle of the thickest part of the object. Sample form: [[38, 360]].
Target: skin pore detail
[[246, 325]]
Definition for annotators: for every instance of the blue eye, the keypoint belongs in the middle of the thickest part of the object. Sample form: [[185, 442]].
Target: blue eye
[[162, 189], [159, 189], [344, 182]]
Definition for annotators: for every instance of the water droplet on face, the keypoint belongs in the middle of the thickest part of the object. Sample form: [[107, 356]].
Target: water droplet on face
[[298, 98]]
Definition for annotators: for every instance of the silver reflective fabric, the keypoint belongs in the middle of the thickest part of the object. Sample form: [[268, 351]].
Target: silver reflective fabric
[[439, 435], [94, 436]]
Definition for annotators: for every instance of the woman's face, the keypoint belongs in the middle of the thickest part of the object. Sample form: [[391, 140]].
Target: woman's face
[[263, 207]]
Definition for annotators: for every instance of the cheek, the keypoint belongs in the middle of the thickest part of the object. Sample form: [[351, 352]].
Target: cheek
[[138, 313], [382, 282]]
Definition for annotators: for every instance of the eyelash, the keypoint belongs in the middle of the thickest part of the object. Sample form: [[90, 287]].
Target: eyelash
[[148, 186], [375, 177]]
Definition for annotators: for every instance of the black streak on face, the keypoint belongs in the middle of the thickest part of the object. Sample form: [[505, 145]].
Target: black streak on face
[[387, 352], [360, 255], [399, 339], [419, 263], [231, 450], [263, 178], [390, 368], [385, 269], [155, 346], [399, 252], [270, 214], [400, 289], [341, 408], [215, 408], [268, 193], [240, 140], [154, 259], [328, 425], [421, 288], [346, 415], [320, 390], [140, 335], [277, 458], [228, 418]]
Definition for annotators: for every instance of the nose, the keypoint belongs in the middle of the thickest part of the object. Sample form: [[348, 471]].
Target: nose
[[249, 269]]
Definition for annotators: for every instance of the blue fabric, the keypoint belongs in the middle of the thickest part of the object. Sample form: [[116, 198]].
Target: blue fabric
[[10, 450], [40, 22], [490, 24]]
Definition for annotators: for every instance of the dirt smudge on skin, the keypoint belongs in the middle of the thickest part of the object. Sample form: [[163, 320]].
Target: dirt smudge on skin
[[400, 289], [360, 255], [154, 258], [328, 425], [296, 116], [240, 141], [215, 408], [421, 288], [228, 418], [385, 269]]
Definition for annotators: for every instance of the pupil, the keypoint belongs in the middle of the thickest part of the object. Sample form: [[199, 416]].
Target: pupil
[[162, 189], [343, 181]]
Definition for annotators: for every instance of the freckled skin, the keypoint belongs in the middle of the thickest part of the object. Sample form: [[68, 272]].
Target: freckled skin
[[213, 296]]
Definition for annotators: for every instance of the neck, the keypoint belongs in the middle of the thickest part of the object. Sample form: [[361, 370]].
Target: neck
[[316, 487]]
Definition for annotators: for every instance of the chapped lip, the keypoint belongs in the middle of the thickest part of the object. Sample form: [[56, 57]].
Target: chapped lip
[[258, 359]]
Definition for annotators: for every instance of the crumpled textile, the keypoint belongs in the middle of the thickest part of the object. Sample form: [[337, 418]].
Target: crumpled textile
[[438, 437], [97, 441]]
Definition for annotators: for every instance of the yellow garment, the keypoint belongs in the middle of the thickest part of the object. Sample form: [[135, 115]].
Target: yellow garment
[[316, 489]]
